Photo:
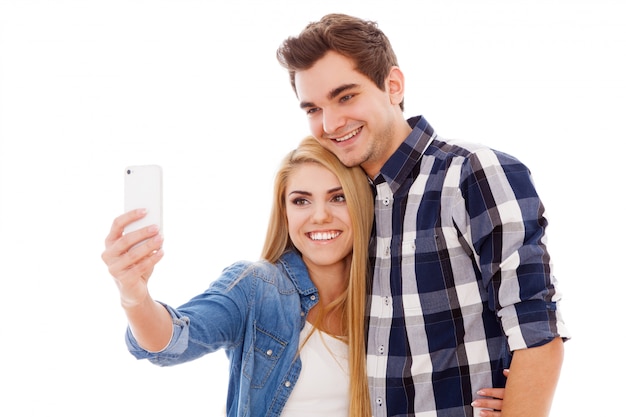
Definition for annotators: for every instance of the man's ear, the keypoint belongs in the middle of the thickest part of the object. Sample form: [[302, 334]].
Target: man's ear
[[395, 85]]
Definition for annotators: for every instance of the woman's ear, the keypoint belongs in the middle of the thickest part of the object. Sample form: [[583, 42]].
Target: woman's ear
[[395, 85]]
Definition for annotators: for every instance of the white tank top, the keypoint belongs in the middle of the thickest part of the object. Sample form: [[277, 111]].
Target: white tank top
[[322, 388]]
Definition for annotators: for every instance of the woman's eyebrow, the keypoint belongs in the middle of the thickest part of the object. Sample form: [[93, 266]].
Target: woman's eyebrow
[[300, 192], [308, 193]]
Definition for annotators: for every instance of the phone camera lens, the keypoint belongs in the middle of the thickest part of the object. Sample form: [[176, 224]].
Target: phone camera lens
[[128, 171]]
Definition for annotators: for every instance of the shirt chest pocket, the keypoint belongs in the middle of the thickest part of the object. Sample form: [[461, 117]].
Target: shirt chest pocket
[[262, 357], [422, 249]]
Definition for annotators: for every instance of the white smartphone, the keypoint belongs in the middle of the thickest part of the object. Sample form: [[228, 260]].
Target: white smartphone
[[143, 188]]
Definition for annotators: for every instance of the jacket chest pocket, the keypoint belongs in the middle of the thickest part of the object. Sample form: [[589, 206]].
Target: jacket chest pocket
[[262, 357]]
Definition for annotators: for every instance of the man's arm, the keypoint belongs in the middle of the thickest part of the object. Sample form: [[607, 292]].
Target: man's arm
[[532, 381]]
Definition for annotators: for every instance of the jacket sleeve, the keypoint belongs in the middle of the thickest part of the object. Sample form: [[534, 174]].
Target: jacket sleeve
[[209, 321]]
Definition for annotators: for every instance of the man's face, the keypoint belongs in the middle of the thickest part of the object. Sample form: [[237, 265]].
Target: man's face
[[348, 113]]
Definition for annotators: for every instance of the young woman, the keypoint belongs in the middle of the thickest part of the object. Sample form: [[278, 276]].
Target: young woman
[[289, 323]]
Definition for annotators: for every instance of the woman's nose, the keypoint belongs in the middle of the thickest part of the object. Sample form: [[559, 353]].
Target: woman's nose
[[321, 214]]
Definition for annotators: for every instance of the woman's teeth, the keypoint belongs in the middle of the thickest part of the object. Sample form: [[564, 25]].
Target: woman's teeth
[[323, 235]]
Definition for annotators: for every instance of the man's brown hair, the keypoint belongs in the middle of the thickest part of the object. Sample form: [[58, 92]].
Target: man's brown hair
[[358, 40]]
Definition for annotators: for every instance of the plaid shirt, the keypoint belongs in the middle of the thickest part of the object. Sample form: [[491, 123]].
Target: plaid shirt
[[461, 275]]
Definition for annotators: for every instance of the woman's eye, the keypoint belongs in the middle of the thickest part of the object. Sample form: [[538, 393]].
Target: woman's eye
[[299, 201], [339, 198]]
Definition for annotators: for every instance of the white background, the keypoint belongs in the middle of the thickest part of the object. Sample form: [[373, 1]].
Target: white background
[[88, 87]]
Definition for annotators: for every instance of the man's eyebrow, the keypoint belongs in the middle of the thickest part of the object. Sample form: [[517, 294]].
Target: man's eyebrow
[[337, 91], [306, 105], [331, 95]]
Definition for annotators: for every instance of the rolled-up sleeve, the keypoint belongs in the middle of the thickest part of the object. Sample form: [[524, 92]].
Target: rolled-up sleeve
[[212, 320], [508, 234]]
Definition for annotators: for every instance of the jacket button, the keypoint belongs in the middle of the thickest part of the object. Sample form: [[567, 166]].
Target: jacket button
[[269, 352], [287, 384]]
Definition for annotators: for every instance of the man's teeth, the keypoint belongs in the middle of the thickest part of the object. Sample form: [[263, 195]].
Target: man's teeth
[[348, 136], [323, 235]]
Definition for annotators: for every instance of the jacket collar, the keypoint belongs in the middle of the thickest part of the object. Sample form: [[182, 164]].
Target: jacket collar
[[298, 273]]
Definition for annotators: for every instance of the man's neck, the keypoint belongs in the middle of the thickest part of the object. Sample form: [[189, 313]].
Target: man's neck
[[400, 131]]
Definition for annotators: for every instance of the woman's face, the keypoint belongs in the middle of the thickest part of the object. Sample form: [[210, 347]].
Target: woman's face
[[317, 213]]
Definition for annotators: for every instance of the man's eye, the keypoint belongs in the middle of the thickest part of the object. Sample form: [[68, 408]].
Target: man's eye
[[346, 98], [312, 111]]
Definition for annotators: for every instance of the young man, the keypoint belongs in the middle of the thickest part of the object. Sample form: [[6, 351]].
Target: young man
[[462, 284]]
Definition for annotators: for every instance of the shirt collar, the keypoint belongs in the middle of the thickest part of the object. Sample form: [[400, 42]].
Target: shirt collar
[[296, 269], [407, 156]]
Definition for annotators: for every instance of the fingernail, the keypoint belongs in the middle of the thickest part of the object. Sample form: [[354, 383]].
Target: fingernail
[[481, 392]]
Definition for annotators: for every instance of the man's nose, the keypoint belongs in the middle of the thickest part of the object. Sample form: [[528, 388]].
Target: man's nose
[[333, 121]]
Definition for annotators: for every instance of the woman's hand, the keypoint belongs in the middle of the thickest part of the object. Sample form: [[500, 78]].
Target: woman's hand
[[131, 257], [493, 403]]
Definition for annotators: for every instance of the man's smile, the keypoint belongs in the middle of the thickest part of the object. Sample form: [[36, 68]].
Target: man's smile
[[350, 135]]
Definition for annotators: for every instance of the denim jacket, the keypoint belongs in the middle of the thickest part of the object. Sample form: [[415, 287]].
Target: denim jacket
[[254, 311]]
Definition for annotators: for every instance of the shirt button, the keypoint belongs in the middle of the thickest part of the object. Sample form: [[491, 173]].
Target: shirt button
[[312, 298], [269, 352], [302, 314], [381, 349], [386, 201], [379, 401], [287, 384]]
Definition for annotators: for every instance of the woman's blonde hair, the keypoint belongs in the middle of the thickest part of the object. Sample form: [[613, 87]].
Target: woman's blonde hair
[[360, 205]]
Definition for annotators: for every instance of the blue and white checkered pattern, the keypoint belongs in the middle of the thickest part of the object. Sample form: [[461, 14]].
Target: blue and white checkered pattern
[[461, 278]]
